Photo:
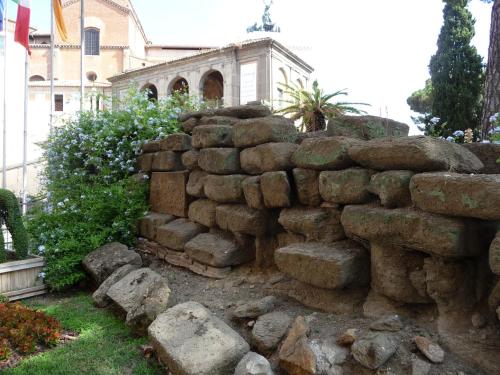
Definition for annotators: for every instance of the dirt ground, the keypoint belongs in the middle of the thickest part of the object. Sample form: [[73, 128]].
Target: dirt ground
[[245, 284]]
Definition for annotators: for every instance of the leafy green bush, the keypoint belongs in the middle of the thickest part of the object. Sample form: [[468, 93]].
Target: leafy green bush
[[11, 216], [91, 198]]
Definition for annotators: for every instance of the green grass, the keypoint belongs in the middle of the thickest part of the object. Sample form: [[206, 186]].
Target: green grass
[[105, 345]]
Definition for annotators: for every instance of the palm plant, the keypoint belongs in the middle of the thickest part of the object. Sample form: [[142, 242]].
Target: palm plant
[[314, 107]]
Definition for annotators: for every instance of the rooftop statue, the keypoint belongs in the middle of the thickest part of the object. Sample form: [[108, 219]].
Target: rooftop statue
[[267, 23]]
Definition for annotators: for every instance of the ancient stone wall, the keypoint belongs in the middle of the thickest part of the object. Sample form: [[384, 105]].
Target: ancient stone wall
[[352, 217]]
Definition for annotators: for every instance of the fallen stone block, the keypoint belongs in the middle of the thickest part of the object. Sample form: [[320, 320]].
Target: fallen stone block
[[206, 136], [225, 189], [374, 349], [328, 266], [142, 295], [253, 364], [253, 192], [254, 309], [202, 212], [269, 330], [366, 127], [488, 153], [190, 340], [196, 183], [416, 153], [177, 233], [100, 297], [455, 194], [324, 153], [166, 161], [176, 142], [149, 223], [239, 218], [348, 186], [105, 260], [392, 187], [296, 355], [257, 131], [190, 159], [145, 162], [307, 185], [413, 229], [315, 224], [220, 250], [275, 189], [220, 160], [268, 157], [167, 193], [391, 270]]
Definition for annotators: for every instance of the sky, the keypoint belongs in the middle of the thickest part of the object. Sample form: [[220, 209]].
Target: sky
[[378, 50]]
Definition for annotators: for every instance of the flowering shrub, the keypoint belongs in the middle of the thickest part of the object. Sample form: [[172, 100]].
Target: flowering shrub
[[22, 329], [91, 198]]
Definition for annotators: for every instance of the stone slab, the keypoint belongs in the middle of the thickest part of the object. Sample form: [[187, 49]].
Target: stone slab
[[240, 218], [177, 233], [220, 160], [207, 136], [392, 188], [257, 131], [253, 192], [167, 193], [225, 189], [275, 189], [190, 159], [366, 127], [176, 142], [348, 186], [149, 223], [202, 211], [307, 186], [268, 157], [488, 153], [196, 183]]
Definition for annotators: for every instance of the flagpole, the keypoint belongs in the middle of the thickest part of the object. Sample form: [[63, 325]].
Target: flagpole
[[51, 61], [4, 130], [25, 132], [82, 52]]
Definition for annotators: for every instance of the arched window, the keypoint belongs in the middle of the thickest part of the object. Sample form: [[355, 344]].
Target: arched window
[[36, 78], [92, 42], [181, 85], [213, 88], [151, 90]]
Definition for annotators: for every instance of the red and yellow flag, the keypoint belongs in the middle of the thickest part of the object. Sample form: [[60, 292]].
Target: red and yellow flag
[[61, 25]]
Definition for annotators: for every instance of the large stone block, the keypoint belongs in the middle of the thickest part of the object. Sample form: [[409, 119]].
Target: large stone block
[[324, 153], [315, 224], [348, 186], [257, 131], [188, 125], [206, 136], [307, 185], [275, 189], [176, 142], [220, 250], [240, 111], [202, 211], [392, 187], [196, 183], [457, 194], [167, 161], [167, 193], [225, 189], [142, 294], [218, 120], [413, 229], [177, 233], [329, 266], [152, 146], [189, 340], [366, 127], [495, 254], [268, 157], [488, 153], [149, 223], [190, 159], [416, 153], [220, 160], [253, 192], [240, 218], [396, 273], [145, 162], [99, 296]]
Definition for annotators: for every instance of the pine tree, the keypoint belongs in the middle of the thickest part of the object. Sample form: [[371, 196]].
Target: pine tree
[[456, 72]]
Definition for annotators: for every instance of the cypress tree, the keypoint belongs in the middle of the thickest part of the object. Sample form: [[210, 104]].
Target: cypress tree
[[456, 72]]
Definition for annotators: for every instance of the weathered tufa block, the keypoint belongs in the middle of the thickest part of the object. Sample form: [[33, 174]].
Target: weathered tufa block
[[177, 233], [307, 185], [190, 340], [190, 159], [422, 231], [218, 120], [152, 146], [145, 162], [225, 189], [176, 142], [366, 127], [268, 157], [315, 224], [495, 254], [392, 187], [167, 193], [324, 153], [457, 194], [188, 125], [202, 211], [488, 153], [149, 223], [416, 153], [239, 218], [275, 189], [206, 136], [348, 186], [253, 192], [220, 160], [257, 131], [328, 266], [167, 161], [196, 183]]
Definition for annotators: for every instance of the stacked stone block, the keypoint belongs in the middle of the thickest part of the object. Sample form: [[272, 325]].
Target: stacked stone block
[[409, 219]]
